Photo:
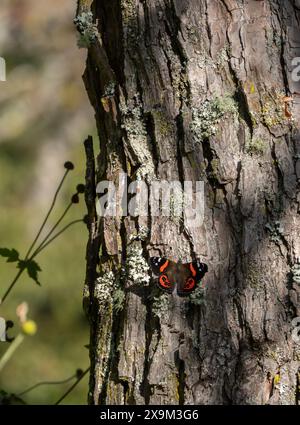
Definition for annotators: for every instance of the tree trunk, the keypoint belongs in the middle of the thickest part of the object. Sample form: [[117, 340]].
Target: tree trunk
[[196, 90]]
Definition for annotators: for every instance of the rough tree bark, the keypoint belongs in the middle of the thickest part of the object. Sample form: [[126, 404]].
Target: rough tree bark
[[196, 90]]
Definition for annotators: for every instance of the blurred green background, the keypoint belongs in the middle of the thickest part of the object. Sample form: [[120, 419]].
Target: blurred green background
[[44, 117]]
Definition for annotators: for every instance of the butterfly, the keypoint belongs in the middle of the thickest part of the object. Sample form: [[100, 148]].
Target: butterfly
[[185, 277]]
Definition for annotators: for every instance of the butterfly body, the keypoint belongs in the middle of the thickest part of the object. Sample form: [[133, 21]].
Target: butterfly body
[[183, 277]]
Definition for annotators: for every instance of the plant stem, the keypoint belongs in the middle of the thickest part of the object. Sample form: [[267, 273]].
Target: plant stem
[[72, 387], [11, 286], [10, 351], [41, 247], [47, 215], [51, 231], [46, 383]]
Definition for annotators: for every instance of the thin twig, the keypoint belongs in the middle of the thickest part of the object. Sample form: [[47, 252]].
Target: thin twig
[[37, 251], [47, 215], [41, 247], [39, 384], [38, 235], [46, 238], [11, 286], [72, 387]]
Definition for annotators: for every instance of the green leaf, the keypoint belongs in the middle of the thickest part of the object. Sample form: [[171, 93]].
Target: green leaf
[[12, 255], [32, 268], [7, 399]]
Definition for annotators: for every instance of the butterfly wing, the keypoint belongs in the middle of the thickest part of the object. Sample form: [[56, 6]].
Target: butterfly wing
[[198, 269], [194, 272], [162, 267]]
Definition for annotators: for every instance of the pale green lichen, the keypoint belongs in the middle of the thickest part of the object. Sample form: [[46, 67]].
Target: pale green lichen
[[137, 268], [254, 119], [275, 231], [88, 31], [146, 171], [118, 299], [159, 302], [104, 287], [273, 37], [134, 125], [109, 89], [108, 290], [207, 117], [198, 296], [295, 271], [161, 305], [203, 60], [141, 235], [255, 146], [271, 112], [223, 57]]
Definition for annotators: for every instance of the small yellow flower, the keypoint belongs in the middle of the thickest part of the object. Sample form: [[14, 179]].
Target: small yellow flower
[[276, 379], [29, 327]]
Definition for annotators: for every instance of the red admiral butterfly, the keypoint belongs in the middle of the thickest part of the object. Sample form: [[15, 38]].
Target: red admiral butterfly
[[184, 276]]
